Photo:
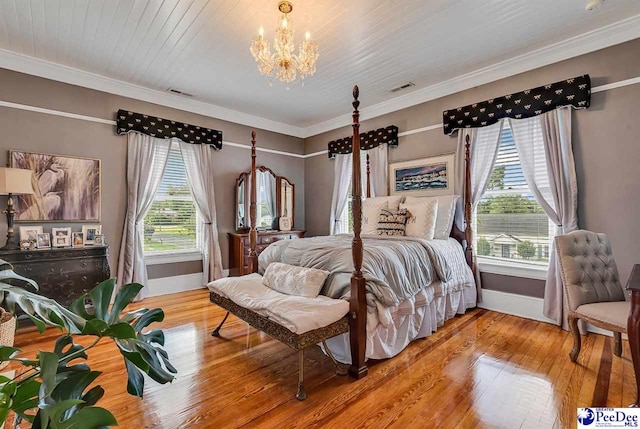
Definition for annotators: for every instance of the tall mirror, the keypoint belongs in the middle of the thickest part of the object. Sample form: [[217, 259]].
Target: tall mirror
[[275, 194]]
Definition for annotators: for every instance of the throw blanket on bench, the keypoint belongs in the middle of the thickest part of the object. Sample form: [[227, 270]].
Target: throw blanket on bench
[[296, 313]]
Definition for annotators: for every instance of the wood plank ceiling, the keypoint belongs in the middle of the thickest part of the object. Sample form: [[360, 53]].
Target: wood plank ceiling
[[201, 46]]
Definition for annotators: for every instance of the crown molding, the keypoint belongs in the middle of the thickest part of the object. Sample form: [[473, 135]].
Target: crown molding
[[37, 67], [613, 34]]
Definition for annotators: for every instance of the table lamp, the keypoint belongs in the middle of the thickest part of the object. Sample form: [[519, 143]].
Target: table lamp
[[14, 181]]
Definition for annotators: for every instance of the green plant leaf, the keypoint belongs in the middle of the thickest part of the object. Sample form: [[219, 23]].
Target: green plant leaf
[[7, 353], [95, 327], [48, 370], [79, 308], [26, 398], [93, 395], [88, 418], [121, 331], [101, 298], [135, 381], [124, 297], [155, 315]]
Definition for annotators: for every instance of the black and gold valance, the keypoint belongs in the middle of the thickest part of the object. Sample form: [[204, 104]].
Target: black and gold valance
[[574, 92], [166, 129], [368, 140]]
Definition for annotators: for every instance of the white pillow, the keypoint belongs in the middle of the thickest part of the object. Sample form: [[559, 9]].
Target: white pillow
[[293, 280], [393, 201], [422, 222], [446, 213], [371, 209]]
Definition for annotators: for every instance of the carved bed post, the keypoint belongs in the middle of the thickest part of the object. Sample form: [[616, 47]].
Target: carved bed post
[[368, 177], [357, 304], [467, 204], [253, 209]]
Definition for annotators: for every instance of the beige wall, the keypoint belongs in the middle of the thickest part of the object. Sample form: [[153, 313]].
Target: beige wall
[[605, 138], [39, 132]]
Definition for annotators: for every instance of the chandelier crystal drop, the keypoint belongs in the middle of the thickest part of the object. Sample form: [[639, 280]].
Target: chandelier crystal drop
[[284, 64]]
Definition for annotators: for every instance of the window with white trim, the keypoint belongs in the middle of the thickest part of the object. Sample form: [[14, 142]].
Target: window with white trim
[[172, 224], [510, 225]]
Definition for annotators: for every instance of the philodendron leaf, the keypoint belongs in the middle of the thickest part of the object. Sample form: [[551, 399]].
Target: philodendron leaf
[[7, 353], [124, 297], [101, 298], [42, 308], [48, 371], [121, 331], [88, 418], [26, 398], [7, 273], [135, 381]]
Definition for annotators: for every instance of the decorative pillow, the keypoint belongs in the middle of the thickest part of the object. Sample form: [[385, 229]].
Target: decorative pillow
[[392, 200], [422, 222], [293, 280], [445, 216], [371, 209], [393, 223]]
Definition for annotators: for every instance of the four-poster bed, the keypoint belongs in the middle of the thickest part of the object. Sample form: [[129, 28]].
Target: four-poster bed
[[428, 270]]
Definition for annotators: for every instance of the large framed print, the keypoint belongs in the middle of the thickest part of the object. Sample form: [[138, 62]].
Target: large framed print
[[66, 188], [423, 177]]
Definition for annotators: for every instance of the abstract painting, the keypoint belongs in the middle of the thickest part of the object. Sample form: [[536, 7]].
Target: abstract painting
[[423, 177], [66, 188]]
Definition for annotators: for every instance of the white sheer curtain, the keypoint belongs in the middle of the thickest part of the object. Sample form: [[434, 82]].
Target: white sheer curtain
[[146, 162], [341, 184], [378, 160], [546, 155], [198, 162], [483, 151]]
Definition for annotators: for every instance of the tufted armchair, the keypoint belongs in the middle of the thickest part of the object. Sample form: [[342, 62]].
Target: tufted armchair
[[592, 286]]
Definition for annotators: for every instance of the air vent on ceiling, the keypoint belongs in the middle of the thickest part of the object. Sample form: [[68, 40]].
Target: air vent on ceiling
[[401, 87], [177, 91]]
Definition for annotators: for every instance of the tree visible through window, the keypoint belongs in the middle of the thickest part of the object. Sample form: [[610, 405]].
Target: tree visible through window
[[171, 224], [510, 223]]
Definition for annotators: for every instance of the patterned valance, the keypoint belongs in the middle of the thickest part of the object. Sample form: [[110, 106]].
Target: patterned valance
[[574, 92], [368, 140], [165, 129]]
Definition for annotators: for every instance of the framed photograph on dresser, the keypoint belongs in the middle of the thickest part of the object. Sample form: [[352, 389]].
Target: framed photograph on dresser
[[424, 177], [90, 232], [61, 237], [30, 232], [44, 240]]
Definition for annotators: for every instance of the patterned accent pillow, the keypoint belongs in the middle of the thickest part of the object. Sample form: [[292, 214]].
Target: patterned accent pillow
[[393, 223]]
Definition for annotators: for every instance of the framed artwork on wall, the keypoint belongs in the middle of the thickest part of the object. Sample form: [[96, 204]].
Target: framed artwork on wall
[[423, 177], [66, 188]]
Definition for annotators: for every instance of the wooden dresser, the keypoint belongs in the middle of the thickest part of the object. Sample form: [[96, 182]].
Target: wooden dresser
[[63, 274], [239, 248]]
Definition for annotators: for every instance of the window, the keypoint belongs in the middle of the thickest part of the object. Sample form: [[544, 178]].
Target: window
[[346, 219], [510, 224], [172, 225]]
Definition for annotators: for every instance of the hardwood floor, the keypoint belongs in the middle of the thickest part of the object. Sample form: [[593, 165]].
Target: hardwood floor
[[483, 369]]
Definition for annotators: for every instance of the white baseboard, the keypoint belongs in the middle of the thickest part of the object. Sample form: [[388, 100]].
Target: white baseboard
[[175, 284], [522, 306]]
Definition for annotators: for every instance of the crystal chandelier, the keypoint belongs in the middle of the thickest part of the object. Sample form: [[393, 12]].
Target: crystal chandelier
[[284, 64]]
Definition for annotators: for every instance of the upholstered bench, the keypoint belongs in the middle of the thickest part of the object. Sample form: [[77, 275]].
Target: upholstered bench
[[297, 321]]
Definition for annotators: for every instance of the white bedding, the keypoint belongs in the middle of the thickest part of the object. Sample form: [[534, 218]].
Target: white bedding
[[297, 313], [413, 285]]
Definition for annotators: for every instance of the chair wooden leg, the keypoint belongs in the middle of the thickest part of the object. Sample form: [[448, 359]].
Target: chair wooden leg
[[577, 341], [617, 344]]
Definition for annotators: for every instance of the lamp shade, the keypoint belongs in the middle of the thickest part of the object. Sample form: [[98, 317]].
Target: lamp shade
[[15, 181]]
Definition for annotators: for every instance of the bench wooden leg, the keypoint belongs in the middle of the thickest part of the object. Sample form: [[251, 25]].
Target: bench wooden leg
[[301, 395], [216, 332], [617, 344]]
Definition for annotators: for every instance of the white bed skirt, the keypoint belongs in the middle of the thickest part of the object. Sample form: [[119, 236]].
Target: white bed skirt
[[416, 317]]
